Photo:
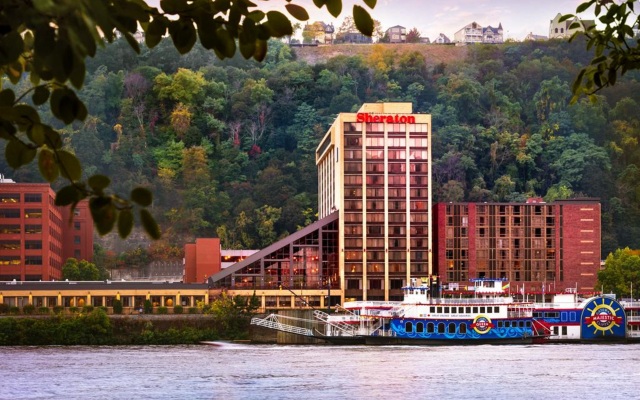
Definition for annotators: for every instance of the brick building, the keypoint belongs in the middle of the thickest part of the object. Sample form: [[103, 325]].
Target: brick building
[[36, 236], [530, 245]]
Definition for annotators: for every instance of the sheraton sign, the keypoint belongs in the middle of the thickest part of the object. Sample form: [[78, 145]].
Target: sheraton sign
[[390, 119]]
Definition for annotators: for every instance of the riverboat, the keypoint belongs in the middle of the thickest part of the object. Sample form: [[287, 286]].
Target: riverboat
[[569, 318], [490, 316]]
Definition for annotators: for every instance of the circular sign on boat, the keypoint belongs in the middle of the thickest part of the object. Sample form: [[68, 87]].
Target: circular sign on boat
[[482, 324], [603, 317]]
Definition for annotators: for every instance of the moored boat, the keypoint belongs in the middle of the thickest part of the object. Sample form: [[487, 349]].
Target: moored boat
[[490, 316]]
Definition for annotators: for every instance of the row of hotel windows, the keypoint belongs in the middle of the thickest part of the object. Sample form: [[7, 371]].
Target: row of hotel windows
[[379, 205], [394, 267], [391, 218], [15, 197], [379, 141], [391, 180], [454, 254], [461, 328], [536, 221], [356, 166], [382, 242], [33, 228], [15, 244], [391, 128], [15, 260], [500, 209], [380, 255], [15, 213], [391, 155], [394, 193], [379, 230]]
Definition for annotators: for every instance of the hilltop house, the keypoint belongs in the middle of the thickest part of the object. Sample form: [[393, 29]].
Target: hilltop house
[[318, 33], [474, 33], [442, 39], [561, 30], [397, 34]]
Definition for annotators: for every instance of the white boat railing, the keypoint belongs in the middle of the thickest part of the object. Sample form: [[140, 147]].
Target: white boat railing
[[633, 318], [342, 325], [272, 321]]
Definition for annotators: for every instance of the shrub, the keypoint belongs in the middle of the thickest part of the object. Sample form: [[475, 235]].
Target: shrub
[[163, 310], [193, 310], [87, 309], [148, 307], [58, 309], [44, 310], [4, 308], [74, 310], [28, 309], [117, 306], [178, 309], [14, 310]]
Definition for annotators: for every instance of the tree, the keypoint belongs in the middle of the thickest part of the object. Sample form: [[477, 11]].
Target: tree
[[44, 46], [413, 36], [615, 50], [83, 270], [621, 272]]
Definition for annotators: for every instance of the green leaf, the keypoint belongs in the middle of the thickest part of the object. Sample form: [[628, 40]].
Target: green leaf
[[149, 224], [363, 20], [125, 223], [99, 182], [582, 7], [183, 35], [142, 196], [297, 12], [12, 46], [68, 195], [261, 50], [103, 213], [36, 133], [47, 165], [70, 167], [334, 7], [278, 24], [52, 138], [370, 3], [66, 106], [225, 45], [7, 98], [40, 95], [17, 154]]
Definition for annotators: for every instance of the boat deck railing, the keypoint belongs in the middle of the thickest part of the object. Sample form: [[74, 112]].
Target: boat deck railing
[[273, 321]]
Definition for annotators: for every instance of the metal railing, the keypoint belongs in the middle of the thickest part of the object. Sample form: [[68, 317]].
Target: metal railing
[[273, 322]]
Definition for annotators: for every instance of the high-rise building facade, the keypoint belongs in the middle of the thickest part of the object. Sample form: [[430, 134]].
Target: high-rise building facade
[[535, 246], [374, 169], [36, 236]]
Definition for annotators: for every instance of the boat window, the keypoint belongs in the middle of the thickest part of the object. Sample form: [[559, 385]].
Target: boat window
[[468, 310], [500, 324], [439, 310], [419, 327], [432, 309], [538, 314], [461, 310], [430, 327], [446, 310], [521, 324], [463, 328], [482, 310], [452, 328], [496, 309], [475, 310], [555, 330], [441, 327], [528, 324], [507, 324], [408, 327]]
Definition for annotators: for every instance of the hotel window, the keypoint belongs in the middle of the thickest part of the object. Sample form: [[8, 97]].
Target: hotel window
[[76, 225], [353, 284], [76, 239], [10, 198], [9, 244], [9, 213], [33, 244], [375, 284], [9, 260], [76, 253], [33, 228], [33, 213], [9, 228], [33, 260], [32, 198]]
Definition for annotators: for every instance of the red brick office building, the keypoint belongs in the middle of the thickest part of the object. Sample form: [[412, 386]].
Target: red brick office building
[[538, 246], [36, 236]]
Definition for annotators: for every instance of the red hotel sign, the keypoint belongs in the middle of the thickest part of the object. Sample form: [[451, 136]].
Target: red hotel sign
[[390, 119]]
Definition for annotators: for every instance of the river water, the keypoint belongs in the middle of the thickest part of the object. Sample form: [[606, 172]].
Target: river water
[[237, 371]]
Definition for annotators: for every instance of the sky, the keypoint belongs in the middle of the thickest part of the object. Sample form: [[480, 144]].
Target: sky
[[431, 17]]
